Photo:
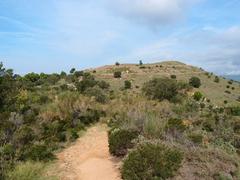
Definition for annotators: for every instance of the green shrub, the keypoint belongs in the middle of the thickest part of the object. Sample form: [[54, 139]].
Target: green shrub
[[90, 116], [127, 85], [216, 79], [235, 111], [175, 124], [161, 89], [88, 81], [195, 82], [117, 74], [28, 171], [38, 153], [227, 92], [117, 63], [74, 134], [120, 140], [98, 93], [151, 161], [173, 76], [197, 96], [103, 84], [196, 138]]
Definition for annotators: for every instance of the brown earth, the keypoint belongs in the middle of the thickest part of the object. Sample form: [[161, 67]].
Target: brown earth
[[89, 158]]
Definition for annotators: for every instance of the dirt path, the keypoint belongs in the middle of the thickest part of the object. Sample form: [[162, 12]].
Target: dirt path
[[89, 158]]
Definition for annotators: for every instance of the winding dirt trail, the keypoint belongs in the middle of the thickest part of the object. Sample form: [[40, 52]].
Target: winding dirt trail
[[89, 158]]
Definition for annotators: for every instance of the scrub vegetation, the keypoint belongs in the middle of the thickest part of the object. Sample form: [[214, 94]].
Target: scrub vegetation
[[166, 120]]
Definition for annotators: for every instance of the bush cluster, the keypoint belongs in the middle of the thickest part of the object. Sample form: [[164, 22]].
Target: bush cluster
[[120, 140], [195, 82], [152, 161], [161, 89]]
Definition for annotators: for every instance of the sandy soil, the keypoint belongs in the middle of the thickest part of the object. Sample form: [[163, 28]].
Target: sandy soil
[[89, 158]]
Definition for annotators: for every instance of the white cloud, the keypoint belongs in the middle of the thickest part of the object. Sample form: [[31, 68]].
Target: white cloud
[[152, 12], [214, 49]]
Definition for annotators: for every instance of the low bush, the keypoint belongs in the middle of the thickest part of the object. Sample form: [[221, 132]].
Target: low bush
[[27, 171], [216, 79], [151, 161], [120, 140], [196, 138], [197, 96], [161, 89], [227, 92], [117, 74], [174, 124], [127, 85], [195, 82], [38, 153], [98, 93], [173, 76]]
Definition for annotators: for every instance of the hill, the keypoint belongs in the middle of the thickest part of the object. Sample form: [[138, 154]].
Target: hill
[[216, 92]]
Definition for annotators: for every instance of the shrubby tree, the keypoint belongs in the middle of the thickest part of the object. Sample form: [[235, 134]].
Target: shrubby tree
[[127, 84], [88, 81], [117, 74], [161, 89], [195, 82], [152, 161], [72, 70]]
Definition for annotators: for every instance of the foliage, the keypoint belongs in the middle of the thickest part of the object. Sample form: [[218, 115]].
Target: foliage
[[151, 161], [196, 138], [127, 84], [28, 171], [98, 93], [175, 124], [173, 76], [161, 89], [117, 74], [197, 96], [120, 140], [195, 82], [216, 79]]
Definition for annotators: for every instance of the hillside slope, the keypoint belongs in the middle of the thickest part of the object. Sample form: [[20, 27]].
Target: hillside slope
[[216, 92]]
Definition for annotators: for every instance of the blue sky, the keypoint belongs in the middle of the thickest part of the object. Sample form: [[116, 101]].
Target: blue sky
[[54, 35]]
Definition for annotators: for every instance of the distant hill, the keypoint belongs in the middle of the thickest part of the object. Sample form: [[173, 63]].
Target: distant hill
[[138, 75]]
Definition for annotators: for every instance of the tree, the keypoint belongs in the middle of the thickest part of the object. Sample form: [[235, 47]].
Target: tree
[[72, 70], [140, 63], [161, 89], [195, 82], [117, 63]]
